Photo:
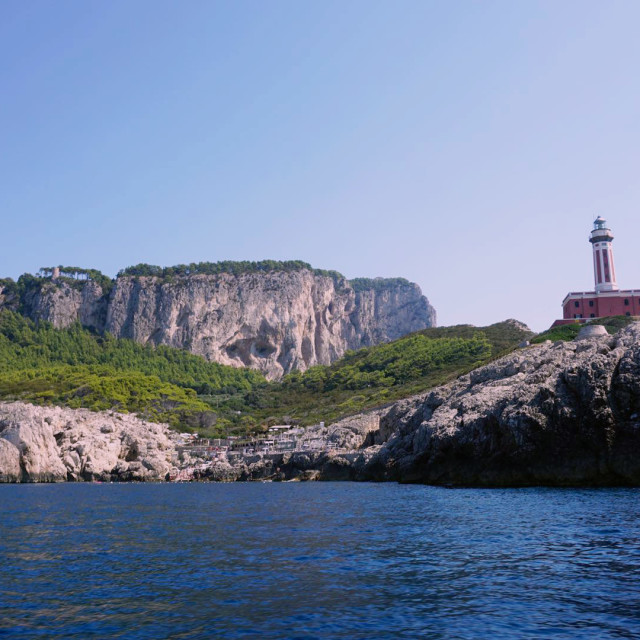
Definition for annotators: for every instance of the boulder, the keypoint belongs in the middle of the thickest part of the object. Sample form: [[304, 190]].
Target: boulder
[[52, 444]]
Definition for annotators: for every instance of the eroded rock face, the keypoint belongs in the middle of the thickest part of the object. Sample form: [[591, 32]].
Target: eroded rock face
[[334, 452], [553, 414], [10, 470], [275, 322], [52, 444], [8, 299], [388, 313], [62, 304]]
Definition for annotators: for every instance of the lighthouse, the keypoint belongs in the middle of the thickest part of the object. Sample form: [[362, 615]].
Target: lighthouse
[[607, 300], [604, 270]]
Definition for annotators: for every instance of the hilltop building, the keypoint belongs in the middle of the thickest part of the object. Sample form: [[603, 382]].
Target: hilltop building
[[607, 300]]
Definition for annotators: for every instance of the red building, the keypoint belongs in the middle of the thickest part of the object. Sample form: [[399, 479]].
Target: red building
[[607, 300]]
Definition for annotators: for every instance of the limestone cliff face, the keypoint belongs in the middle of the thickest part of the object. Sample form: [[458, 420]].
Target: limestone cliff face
[[62, 304], [386, 313], [275, 322]]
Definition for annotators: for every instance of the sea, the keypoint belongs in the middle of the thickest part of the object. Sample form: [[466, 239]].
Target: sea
[[317, 560]]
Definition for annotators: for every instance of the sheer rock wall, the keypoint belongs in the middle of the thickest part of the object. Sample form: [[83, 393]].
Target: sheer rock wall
[[275, 322]]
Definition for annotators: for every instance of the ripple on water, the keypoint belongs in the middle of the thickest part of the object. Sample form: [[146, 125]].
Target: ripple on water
[[317, 561]]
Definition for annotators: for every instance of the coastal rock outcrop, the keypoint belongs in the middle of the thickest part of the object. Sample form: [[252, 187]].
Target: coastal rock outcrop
[[301, 466], [272, 321], [52, 444], [553, 414]]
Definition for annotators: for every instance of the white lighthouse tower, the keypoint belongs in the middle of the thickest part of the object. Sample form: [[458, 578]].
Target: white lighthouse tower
[[604, 270]]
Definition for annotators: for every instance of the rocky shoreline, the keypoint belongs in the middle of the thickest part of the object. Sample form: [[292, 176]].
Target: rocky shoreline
[[556, 414], [54, 444]]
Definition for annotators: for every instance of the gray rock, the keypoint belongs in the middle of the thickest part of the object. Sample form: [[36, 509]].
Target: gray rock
[[592, 331], [39, 459], [53, 444], [275, 322], [569, 417], [63, 304], [10, 470]]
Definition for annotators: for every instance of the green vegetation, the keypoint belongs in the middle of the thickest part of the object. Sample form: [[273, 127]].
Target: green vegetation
[[262, 266], [8, 285], [16, 292], [377, 284], [25, 282], [76, 368], [101, 387], [24, 344], [225, 266], [381, 374], [77, 275], [565, 332], [73, 276], [568, 332]]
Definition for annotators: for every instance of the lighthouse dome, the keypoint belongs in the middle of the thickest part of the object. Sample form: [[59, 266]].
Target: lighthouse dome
[[600, 223]]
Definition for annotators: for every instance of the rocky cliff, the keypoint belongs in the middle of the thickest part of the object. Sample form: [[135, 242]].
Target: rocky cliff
[[275, 321], [555, 414], [54, 444], [51, 444], [62, 304]]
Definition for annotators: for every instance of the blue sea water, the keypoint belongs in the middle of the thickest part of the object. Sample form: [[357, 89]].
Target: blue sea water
[[317, 560]]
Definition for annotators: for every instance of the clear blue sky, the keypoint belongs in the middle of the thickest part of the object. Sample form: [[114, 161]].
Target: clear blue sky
[[466, 145]]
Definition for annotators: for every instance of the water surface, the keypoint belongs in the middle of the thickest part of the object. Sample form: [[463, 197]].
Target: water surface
[[317, 560]]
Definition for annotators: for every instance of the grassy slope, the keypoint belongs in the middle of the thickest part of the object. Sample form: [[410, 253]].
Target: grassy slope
[[377, 375], [74, 367], [568, 332]]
